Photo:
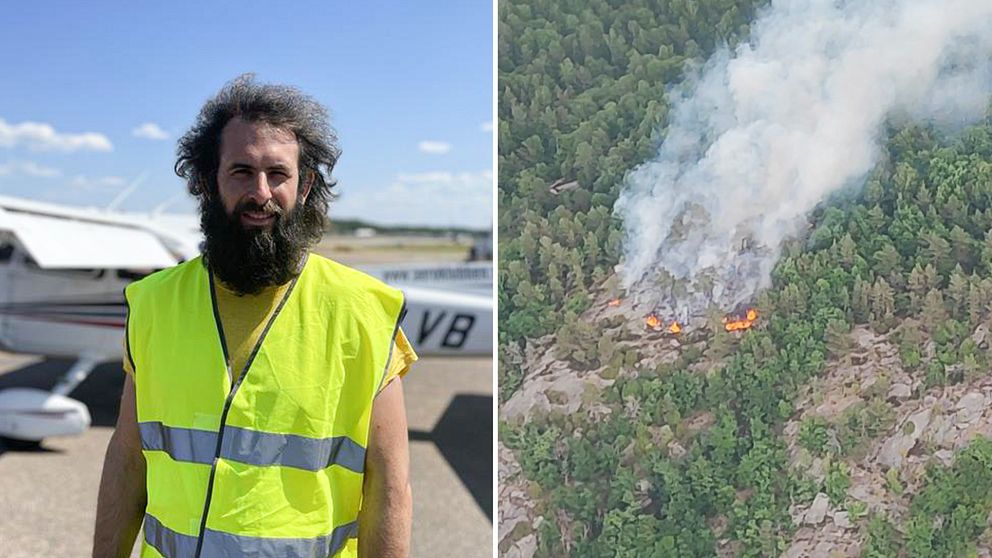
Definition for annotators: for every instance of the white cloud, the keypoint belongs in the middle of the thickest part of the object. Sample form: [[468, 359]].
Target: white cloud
[[31, 168], [486, 126], [81, 182], [434, 147], [447, 183], [43, 137], [150, 130], [425, 177], [439, 198], [28, 168]]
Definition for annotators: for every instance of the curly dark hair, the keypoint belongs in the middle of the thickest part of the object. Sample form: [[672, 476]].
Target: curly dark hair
[[280, 106]]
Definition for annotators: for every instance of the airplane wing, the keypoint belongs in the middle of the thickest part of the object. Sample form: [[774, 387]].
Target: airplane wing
[[180, 233], [63, 238], [56, 243]]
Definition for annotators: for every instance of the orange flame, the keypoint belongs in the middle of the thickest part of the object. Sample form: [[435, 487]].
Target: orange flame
[[674, 328], [614, 303], [652, 321], [741, 324], [738, 325]]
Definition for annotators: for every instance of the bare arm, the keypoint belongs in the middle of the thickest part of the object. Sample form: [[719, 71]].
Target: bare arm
[[121, 504], [387, 505]]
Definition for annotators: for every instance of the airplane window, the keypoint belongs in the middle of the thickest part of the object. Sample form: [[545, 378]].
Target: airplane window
[[93, 274], [87, 273], [6, 251]]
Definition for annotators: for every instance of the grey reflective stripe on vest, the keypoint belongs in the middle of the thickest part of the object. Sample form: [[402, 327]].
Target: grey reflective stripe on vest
[[312, 454], [253, 447], [167, 542], [182, 444], [217, 544]]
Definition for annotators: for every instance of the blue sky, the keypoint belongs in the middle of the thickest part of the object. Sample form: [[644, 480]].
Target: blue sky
[[95, 94]]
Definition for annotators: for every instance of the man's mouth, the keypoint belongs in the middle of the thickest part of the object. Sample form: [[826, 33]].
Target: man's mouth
[[257, 218]]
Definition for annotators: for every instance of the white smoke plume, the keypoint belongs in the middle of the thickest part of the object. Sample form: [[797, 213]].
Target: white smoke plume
[[762, 134]]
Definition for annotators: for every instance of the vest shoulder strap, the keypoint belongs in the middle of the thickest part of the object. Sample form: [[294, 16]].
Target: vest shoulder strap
[[139, 290], [347, 282]]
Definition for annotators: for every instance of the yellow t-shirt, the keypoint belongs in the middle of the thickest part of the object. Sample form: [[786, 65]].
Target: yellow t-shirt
[[243, 318]]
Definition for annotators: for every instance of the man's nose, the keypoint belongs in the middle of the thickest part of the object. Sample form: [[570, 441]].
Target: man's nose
[[259, 191]]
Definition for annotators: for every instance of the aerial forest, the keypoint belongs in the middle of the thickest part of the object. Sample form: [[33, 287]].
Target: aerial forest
[[729, 445]]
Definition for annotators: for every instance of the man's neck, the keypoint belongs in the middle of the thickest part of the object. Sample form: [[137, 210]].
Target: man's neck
[[267, 289]]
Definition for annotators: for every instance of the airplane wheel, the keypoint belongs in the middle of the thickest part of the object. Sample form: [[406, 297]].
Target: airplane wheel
[[19, 445]]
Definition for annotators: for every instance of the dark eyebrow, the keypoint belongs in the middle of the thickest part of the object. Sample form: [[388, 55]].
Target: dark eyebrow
[[245, 166]]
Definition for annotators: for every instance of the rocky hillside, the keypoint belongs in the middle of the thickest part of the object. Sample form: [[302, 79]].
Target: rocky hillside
[[860, 441]]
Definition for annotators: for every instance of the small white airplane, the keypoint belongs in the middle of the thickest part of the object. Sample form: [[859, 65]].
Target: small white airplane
[[470, 277], [62, 275]]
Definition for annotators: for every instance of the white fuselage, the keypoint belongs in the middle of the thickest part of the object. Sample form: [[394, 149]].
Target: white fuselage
[[60, 312], [467, 277], [71, 313], [443, 323]]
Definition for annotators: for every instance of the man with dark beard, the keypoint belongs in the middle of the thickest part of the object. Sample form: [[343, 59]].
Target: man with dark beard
[[262, 412]]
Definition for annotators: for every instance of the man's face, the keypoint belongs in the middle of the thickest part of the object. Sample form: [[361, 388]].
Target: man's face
[[258, 176], [257, 228]]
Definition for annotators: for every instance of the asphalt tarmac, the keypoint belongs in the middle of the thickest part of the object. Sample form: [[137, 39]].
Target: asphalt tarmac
[[48, 495]]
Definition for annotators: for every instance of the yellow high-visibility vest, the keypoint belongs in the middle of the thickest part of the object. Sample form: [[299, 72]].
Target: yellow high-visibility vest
[[273, 465]]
